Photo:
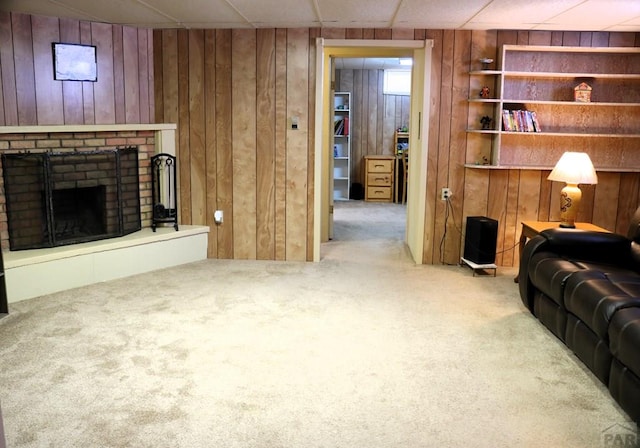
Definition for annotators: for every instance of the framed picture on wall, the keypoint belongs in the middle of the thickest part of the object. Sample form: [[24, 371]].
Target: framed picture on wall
[[74, 62]]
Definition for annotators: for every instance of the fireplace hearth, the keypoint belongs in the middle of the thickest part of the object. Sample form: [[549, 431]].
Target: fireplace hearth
[[61, 198]]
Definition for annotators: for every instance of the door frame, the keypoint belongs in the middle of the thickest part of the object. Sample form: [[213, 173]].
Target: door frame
[[420, 51]]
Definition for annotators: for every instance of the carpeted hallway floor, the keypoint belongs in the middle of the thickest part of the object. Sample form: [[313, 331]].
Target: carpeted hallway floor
[[364, 349]]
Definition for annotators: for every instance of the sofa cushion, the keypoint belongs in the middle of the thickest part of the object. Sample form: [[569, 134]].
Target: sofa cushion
[[619, 272], [624, 387], [627, 281], [589, 347], [553, 316], [548, 272], [593, 298], [624, 338]]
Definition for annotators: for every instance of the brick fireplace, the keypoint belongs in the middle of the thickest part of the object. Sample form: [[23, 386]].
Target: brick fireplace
[[78, 143], [59, 198], [74, 265]]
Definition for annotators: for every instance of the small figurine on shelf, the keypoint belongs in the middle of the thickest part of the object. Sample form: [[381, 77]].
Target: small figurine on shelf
[[485, 63], [485, 92], [582, 93], [486, 122]]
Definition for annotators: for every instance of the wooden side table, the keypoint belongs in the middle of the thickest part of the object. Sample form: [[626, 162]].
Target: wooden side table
[[533, 228]]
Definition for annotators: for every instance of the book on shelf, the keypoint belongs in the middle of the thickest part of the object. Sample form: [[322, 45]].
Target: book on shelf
[[338, 126], [536, 125], [506, 121], [341, 126], [516, 120]]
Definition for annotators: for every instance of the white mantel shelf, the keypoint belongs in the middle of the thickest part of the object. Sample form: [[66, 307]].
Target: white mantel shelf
[[87, 128], [165, 133]]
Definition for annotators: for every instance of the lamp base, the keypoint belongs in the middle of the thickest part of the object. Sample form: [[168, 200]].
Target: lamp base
[[570, 197]]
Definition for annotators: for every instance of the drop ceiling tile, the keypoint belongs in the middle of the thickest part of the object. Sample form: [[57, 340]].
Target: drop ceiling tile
[[497, 26], [349, 63], [358, 12], [353, 23], [290, 24], [369, 64], [506, 14], [632, 22], [156, 25], [444, 12], [115, 11], [211, 25], [591, 14], [623, 28], [581, 15], [432, 25], [292, 12], [43, 8], [375, 63], [197, 11]]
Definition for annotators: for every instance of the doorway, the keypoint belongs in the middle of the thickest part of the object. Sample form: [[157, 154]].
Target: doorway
[[420, 52], [372, 95]]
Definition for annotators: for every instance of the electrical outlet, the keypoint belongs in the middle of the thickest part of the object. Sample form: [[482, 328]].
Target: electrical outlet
[[218, 216], [445, 194]]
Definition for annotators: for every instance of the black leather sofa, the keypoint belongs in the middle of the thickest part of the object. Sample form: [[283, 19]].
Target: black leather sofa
[[584, 286]]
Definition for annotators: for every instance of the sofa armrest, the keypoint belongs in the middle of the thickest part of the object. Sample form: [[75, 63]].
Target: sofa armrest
[[573, 244], [587, 245], [559, 235], [534, 245]]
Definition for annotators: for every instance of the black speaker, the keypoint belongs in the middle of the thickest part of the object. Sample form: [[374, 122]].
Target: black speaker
[[481, 239]]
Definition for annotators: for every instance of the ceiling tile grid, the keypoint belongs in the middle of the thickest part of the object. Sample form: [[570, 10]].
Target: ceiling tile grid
[[582, 15]]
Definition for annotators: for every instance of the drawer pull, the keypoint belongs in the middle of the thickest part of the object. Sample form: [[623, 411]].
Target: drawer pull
[[378, 165]]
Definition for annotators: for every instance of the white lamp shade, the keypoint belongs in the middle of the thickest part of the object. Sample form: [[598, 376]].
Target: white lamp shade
[[574, 168]]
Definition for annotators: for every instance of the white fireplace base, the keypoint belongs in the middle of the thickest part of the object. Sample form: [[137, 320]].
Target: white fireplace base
[[32, 273]]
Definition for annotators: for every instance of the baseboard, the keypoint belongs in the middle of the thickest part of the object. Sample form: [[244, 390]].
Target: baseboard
[[33, 273]]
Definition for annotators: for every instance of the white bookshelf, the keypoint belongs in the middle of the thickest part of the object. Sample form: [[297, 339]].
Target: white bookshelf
[[341, 145]]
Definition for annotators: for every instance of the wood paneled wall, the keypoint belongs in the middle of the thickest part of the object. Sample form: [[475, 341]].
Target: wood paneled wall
[[512, 196], [30, 96], [374, 115], [233, 94]]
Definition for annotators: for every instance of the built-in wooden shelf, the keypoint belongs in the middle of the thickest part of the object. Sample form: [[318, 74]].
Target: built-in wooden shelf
[[542, 79]]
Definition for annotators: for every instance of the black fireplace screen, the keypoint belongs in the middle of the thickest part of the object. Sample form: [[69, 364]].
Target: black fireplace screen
[[55, 199]]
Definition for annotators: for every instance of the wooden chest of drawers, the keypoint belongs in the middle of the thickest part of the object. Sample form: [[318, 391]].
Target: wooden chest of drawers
[[379, 178]]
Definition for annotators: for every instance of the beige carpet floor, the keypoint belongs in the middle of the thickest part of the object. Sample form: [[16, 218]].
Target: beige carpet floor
[[364, 349]]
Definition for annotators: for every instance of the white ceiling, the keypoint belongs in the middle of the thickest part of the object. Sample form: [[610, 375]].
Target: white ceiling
[[569, 15]]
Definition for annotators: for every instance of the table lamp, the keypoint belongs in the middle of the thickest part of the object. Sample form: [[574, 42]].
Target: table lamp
[[573, 168]]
